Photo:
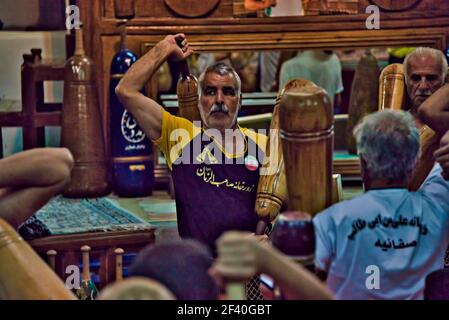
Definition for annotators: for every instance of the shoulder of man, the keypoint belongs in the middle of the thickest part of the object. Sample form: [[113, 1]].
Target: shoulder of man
[[435, 189], [434, 177], [171, 122], [176, 133], [344, 208]]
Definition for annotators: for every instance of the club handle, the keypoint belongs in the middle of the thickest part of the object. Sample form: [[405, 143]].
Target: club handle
[[236, 291]]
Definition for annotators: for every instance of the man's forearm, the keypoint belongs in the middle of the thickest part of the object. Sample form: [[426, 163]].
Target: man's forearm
[[144, 68], [293, 279], [147, 112], [434, 112]]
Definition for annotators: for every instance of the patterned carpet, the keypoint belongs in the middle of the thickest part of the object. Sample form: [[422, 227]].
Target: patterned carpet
[[68, 216]]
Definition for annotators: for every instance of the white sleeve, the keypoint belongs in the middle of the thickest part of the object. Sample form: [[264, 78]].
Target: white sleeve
[[324, 240], [436, 188], [338, 77]]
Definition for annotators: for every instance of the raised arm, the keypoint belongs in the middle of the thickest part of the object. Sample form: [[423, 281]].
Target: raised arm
[[442, 155], [146, 111], [434, 112], [242, 255]]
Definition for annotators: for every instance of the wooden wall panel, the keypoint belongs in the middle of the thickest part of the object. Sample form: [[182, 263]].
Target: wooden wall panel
[[158, 9], [151, 8], [438, 6], [108, 9]]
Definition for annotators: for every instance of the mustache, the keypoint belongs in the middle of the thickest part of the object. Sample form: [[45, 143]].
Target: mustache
[[221, 107], [423, 92]]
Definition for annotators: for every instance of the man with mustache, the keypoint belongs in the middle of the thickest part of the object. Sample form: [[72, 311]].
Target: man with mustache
[[425, 71], [214, 164]]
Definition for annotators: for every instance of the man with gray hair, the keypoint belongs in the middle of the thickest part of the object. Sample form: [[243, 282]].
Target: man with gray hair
[[425, 71], [382, 244], [215, 178]]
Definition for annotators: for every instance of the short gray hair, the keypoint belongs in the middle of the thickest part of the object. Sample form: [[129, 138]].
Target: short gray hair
[[388, 141], [423, 51], [221, 69]]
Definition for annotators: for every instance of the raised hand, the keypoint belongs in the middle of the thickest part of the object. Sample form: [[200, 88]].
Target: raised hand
[[178, 47]]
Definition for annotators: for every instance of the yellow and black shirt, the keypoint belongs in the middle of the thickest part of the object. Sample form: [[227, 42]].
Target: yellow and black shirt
[[215, 191]]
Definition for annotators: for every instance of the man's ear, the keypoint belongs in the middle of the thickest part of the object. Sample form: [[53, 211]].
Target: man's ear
[[362, 164], [364, 173]]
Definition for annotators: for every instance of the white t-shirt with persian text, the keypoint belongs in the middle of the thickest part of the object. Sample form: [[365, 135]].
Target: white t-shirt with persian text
[[382, 244]]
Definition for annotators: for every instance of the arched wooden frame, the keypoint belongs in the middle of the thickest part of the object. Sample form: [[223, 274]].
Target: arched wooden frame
[[203, 42], [226, 33]]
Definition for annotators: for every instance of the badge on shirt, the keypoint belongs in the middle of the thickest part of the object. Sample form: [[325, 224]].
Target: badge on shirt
[[251, 163]]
